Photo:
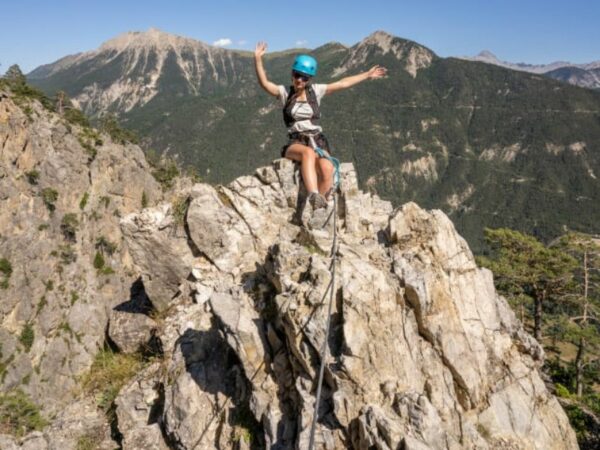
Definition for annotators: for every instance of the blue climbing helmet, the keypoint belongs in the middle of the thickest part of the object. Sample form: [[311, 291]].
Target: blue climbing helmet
[[305, 64]]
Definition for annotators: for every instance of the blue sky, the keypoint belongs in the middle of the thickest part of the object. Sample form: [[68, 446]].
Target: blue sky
[[38, 32]]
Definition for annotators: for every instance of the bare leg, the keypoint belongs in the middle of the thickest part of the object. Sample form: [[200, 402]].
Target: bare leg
[[307, 158], [325, 175]]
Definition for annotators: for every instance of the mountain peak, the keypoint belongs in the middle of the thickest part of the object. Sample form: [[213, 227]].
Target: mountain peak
[[380, 34], [380, 38], [153, 37], [486, 54], [413, 55]]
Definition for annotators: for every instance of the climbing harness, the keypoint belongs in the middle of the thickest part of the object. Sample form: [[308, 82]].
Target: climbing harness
[[331, 287]]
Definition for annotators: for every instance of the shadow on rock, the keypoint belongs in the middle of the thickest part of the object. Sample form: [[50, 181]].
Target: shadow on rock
[[216, 369], [138, 302]]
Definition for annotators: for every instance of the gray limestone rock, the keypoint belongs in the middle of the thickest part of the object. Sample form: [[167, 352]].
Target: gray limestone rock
[[139, 406], [59, 211], [160, 249], [130, 331]]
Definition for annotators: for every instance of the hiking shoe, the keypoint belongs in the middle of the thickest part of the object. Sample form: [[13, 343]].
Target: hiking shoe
[[329, 194], [317, 201]]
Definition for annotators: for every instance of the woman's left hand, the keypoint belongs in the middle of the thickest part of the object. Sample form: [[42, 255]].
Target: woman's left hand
[[377, 72]]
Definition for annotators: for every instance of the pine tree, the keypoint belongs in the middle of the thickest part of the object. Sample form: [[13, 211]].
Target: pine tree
[[15, 75], [581, 324], [523, 267]]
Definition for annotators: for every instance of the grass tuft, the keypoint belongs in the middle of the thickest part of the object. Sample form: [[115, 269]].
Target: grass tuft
[[19, 415]]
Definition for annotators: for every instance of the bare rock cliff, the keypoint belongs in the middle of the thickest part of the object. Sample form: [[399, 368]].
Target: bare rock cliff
[[63, 188], [424, 354]]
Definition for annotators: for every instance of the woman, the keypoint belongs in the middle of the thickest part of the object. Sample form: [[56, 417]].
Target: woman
[[301, 113]]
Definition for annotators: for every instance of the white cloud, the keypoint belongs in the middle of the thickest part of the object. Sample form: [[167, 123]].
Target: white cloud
[[301, 43], [223, 42], [242, 42]]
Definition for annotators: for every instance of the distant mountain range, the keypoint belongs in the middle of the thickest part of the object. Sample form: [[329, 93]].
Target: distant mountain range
[[584, 75], [488, 145]]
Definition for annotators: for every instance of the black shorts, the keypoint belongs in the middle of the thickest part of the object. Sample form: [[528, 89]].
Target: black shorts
[[304, 139]]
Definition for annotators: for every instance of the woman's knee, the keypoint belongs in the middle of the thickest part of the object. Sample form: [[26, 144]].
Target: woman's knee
[[300, 152], [308, 155], [325, 168]]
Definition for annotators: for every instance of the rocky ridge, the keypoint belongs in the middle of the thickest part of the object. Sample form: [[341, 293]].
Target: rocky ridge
[[583, 75], [423, 352], [488, 57]]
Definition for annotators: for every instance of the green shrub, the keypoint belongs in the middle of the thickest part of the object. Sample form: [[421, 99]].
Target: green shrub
[[100, 265], [593, 402], [106, 270], [49, 196], [64, 326], [27, 337], [105, 246], [67, 254], [68, 226], [89, 148], [193, 174], [144, 200], [43, 302], [4, 365], [562, 391], [578, 420], [6, 271], [18, 414], [110, 126], [98, 261], [32, 176], [166, 173], [179, 209], [76, 117], [84, 201], [23, 92]]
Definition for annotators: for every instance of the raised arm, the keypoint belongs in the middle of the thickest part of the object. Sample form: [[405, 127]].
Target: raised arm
[[371, 74], [267, 85]]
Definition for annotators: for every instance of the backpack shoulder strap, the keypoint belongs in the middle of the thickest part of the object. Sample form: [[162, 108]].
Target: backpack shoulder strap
[[287, 108], [311, 96]]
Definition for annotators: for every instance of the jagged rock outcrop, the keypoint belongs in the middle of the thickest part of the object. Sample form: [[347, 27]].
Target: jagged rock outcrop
[[423, 353], [63, 188]]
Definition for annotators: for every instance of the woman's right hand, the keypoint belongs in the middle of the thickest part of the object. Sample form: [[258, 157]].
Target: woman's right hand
[[260, 50]]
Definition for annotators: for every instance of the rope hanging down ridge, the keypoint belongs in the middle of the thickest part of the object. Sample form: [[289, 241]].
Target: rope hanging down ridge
[[324, 347]]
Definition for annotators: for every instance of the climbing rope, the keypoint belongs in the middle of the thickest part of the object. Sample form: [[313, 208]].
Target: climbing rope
[[324, 347], [323, 154]]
